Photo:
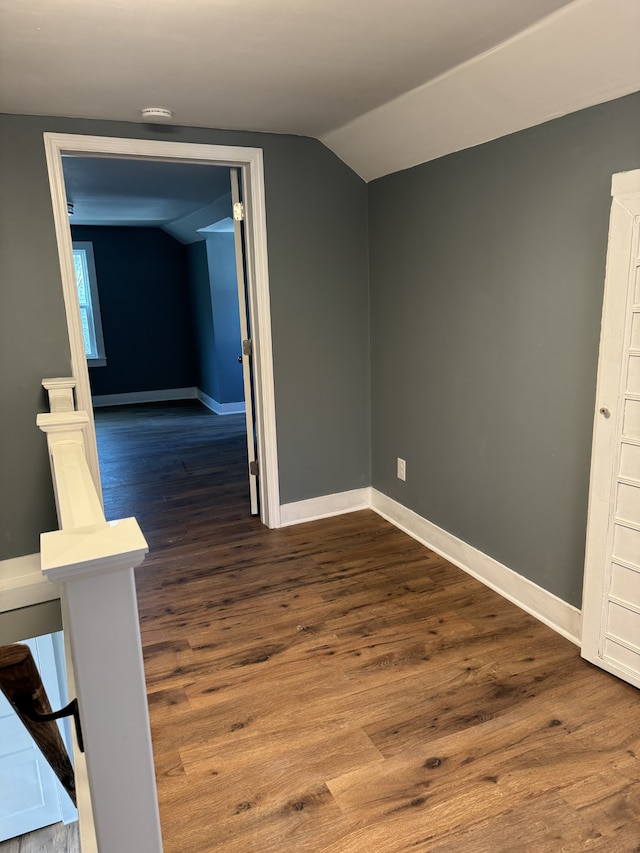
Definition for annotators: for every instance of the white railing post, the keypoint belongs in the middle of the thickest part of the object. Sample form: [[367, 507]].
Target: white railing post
[[94, 562], [60, 392]]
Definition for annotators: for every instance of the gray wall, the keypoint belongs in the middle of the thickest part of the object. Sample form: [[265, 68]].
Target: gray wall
[[33, 338], [487, 271], [316, 228]]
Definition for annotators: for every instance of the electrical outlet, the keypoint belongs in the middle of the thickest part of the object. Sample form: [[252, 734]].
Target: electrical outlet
[[402, 469]]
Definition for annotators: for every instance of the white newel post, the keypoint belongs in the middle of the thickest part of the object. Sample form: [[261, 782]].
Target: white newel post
[[94, 560]]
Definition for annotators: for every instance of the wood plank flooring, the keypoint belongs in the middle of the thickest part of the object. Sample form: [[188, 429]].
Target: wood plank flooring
[[56, 838], [335, 687]]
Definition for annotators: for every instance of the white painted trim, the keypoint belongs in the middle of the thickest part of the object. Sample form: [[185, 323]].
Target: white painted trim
[[86, 822], [131, 397], [23, 584], [94, 560], [545, 606], [79, 366], [250, 161], [102, 549], [60, 393], [624, 183], [167, 395], [325, 506], [246, 359], [257, 272], [220, 408], [86, 246]]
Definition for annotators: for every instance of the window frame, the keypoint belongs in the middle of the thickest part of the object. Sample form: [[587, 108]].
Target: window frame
[[99, 359]]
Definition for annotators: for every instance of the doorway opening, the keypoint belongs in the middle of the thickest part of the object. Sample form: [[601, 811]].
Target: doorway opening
[[159, 261], [248, 162]]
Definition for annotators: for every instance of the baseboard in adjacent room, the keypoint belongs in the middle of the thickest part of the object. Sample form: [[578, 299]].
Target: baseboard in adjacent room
[[165, 395], [548, 608], [220, 408], [324, 506]]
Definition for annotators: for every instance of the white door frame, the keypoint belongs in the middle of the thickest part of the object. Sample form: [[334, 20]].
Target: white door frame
[[250, 163], [246, 357]]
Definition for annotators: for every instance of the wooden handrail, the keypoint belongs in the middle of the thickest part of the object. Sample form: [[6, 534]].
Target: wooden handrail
[[23, 688]]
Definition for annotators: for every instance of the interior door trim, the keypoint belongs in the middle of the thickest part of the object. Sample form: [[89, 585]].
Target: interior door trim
[[251, 164]]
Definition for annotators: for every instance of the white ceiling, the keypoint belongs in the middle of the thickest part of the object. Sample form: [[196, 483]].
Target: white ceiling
[[117, 191], [384, 83]]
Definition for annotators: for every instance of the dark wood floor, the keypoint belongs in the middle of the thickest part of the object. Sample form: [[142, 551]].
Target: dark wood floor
[[335, 687]]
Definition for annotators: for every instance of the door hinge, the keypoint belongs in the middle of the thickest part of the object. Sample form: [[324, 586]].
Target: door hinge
[[247, 347], [238, 211], [253, 468]]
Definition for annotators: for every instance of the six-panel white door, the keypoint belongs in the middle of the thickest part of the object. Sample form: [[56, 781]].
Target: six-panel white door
[[611, 600]]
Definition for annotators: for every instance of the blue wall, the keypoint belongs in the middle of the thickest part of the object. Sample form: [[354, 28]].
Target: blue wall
[[207, 378], [216, 321], [146, 313], [226, 317]]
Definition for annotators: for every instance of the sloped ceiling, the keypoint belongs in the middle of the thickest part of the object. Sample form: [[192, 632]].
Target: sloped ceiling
[[384, 84], [585, 54]]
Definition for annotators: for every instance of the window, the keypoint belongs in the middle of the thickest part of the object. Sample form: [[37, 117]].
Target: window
[[85, 269]]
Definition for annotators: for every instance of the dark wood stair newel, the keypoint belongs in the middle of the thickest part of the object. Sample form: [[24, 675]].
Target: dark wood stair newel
[[21, 684]]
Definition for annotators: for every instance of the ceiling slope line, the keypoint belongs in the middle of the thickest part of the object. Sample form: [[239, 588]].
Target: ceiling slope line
[[580, 55]]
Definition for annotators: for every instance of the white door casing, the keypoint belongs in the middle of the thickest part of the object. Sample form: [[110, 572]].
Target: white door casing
[[246, 357], [611, 598], [250, 163]]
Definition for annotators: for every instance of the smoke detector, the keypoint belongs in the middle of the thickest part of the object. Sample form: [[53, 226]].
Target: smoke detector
[[156, 114]]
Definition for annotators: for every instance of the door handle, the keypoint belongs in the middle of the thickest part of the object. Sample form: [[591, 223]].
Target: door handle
[[239, 359], [604, 411]]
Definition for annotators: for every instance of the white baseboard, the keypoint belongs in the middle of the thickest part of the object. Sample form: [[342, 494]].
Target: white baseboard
[[23, 584], [167, 395], [324, 506], [548, 608], [220, 408], [161, 396]]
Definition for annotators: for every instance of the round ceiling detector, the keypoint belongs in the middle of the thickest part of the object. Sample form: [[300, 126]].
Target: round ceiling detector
[[156, 114]]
